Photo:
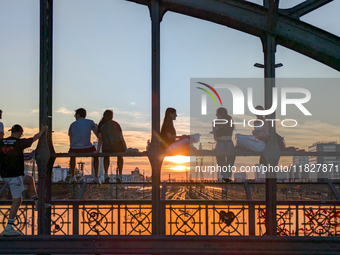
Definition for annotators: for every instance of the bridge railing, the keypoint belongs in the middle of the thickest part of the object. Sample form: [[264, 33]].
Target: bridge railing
[[190, 217]]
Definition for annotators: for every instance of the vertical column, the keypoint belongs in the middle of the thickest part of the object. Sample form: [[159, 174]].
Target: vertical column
[[272, 152], [155, 151], [45, 112]]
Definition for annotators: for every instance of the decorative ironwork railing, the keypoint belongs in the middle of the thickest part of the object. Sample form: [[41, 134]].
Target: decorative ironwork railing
[[181, 217]]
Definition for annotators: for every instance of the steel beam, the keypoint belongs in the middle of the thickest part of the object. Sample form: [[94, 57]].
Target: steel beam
[[169, 245], [304, 8], [252, 19]]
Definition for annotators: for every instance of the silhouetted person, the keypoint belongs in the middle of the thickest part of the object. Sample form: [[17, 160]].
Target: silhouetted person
[[224, 144], [169, 140], [12, 172], [257, 141], [80, 141], [111, 140]]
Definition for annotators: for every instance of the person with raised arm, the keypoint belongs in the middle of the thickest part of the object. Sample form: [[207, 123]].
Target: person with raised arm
[[12, 172]]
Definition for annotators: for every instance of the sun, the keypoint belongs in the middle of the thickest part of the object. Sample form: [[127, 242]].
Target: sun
[[178, 159], [179, 168]]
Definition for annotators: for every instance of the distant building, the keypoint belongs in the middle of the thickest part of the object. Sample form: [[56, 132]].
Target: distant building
[[59, 173], [137, 176], [295, 172], [260, 176], [315, 160]]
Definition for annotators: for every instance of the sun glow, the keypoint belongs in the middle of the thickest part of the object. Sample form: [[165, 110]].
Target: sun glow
[[179, 168], [178, 159]]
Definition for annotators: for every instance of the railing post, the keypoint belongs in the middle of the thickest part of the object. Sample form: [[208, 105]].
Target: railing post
[[251, 208], [163, 209], [75, 213]]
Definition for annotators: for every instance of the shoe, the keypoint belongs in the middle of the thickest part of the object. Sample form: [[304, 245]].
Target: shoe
[[97, 180], [226, 180], [118, 180], [72, 180], [10, 232], [46, 206]]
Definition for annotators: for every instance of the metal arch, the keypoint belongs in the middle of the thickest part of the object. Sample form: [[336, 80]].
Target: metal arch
[[253, 19]]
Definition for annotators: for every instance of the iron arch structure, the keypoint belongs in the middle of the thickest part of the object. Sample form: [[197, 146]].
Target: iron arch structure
[[284, 24]]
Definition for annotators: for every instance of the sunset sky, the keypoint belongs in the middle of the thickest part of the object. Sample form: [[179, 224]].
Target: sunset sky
[[102, 60]]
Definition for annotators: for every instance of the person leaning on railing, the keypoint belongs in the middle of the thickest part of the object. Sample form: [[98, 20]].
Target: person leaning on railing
[[12, 172], [256, 141], [169, 140], [224, 144]]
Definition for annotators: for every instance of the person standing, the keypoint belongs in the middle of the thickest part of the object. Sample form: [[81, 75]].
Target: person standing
[[111, 140], [80, 142], [12, 172], [224, 144]]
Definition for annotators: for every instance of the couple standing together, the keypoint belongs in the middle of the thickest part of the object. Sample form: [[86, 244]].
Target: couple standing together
[[224, 144]]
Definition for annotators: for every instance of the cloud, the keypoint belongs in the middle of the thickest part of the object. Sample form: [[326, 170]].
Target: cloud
[[35, 111], [94, 114], [63, 110]]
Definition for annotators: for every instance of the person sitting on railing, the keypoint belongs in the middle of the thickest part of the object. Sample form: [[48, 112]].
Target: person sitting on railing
[[169, 141], [12, 172], [257, 141], [80, 142], [2, 132], [224, 144], [111, 140]]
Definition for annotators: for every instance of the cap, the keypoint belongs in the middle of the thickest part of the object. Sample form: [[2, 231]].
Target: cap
[[16, 128]]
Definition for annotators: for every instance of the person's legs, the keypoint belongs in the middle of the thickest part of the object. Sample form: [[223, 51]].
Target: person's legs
[[14, 208], [29, 181], [17, 187], [106, 169], [226, 165], [96, 166], [106, 164], [72, 166], [120, 162]]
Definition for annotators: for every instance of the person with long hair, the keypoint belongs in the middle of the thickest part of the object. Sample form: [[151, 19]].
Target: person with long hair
[[111, 140], [169, 140], [224, 144], [256, 141]]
